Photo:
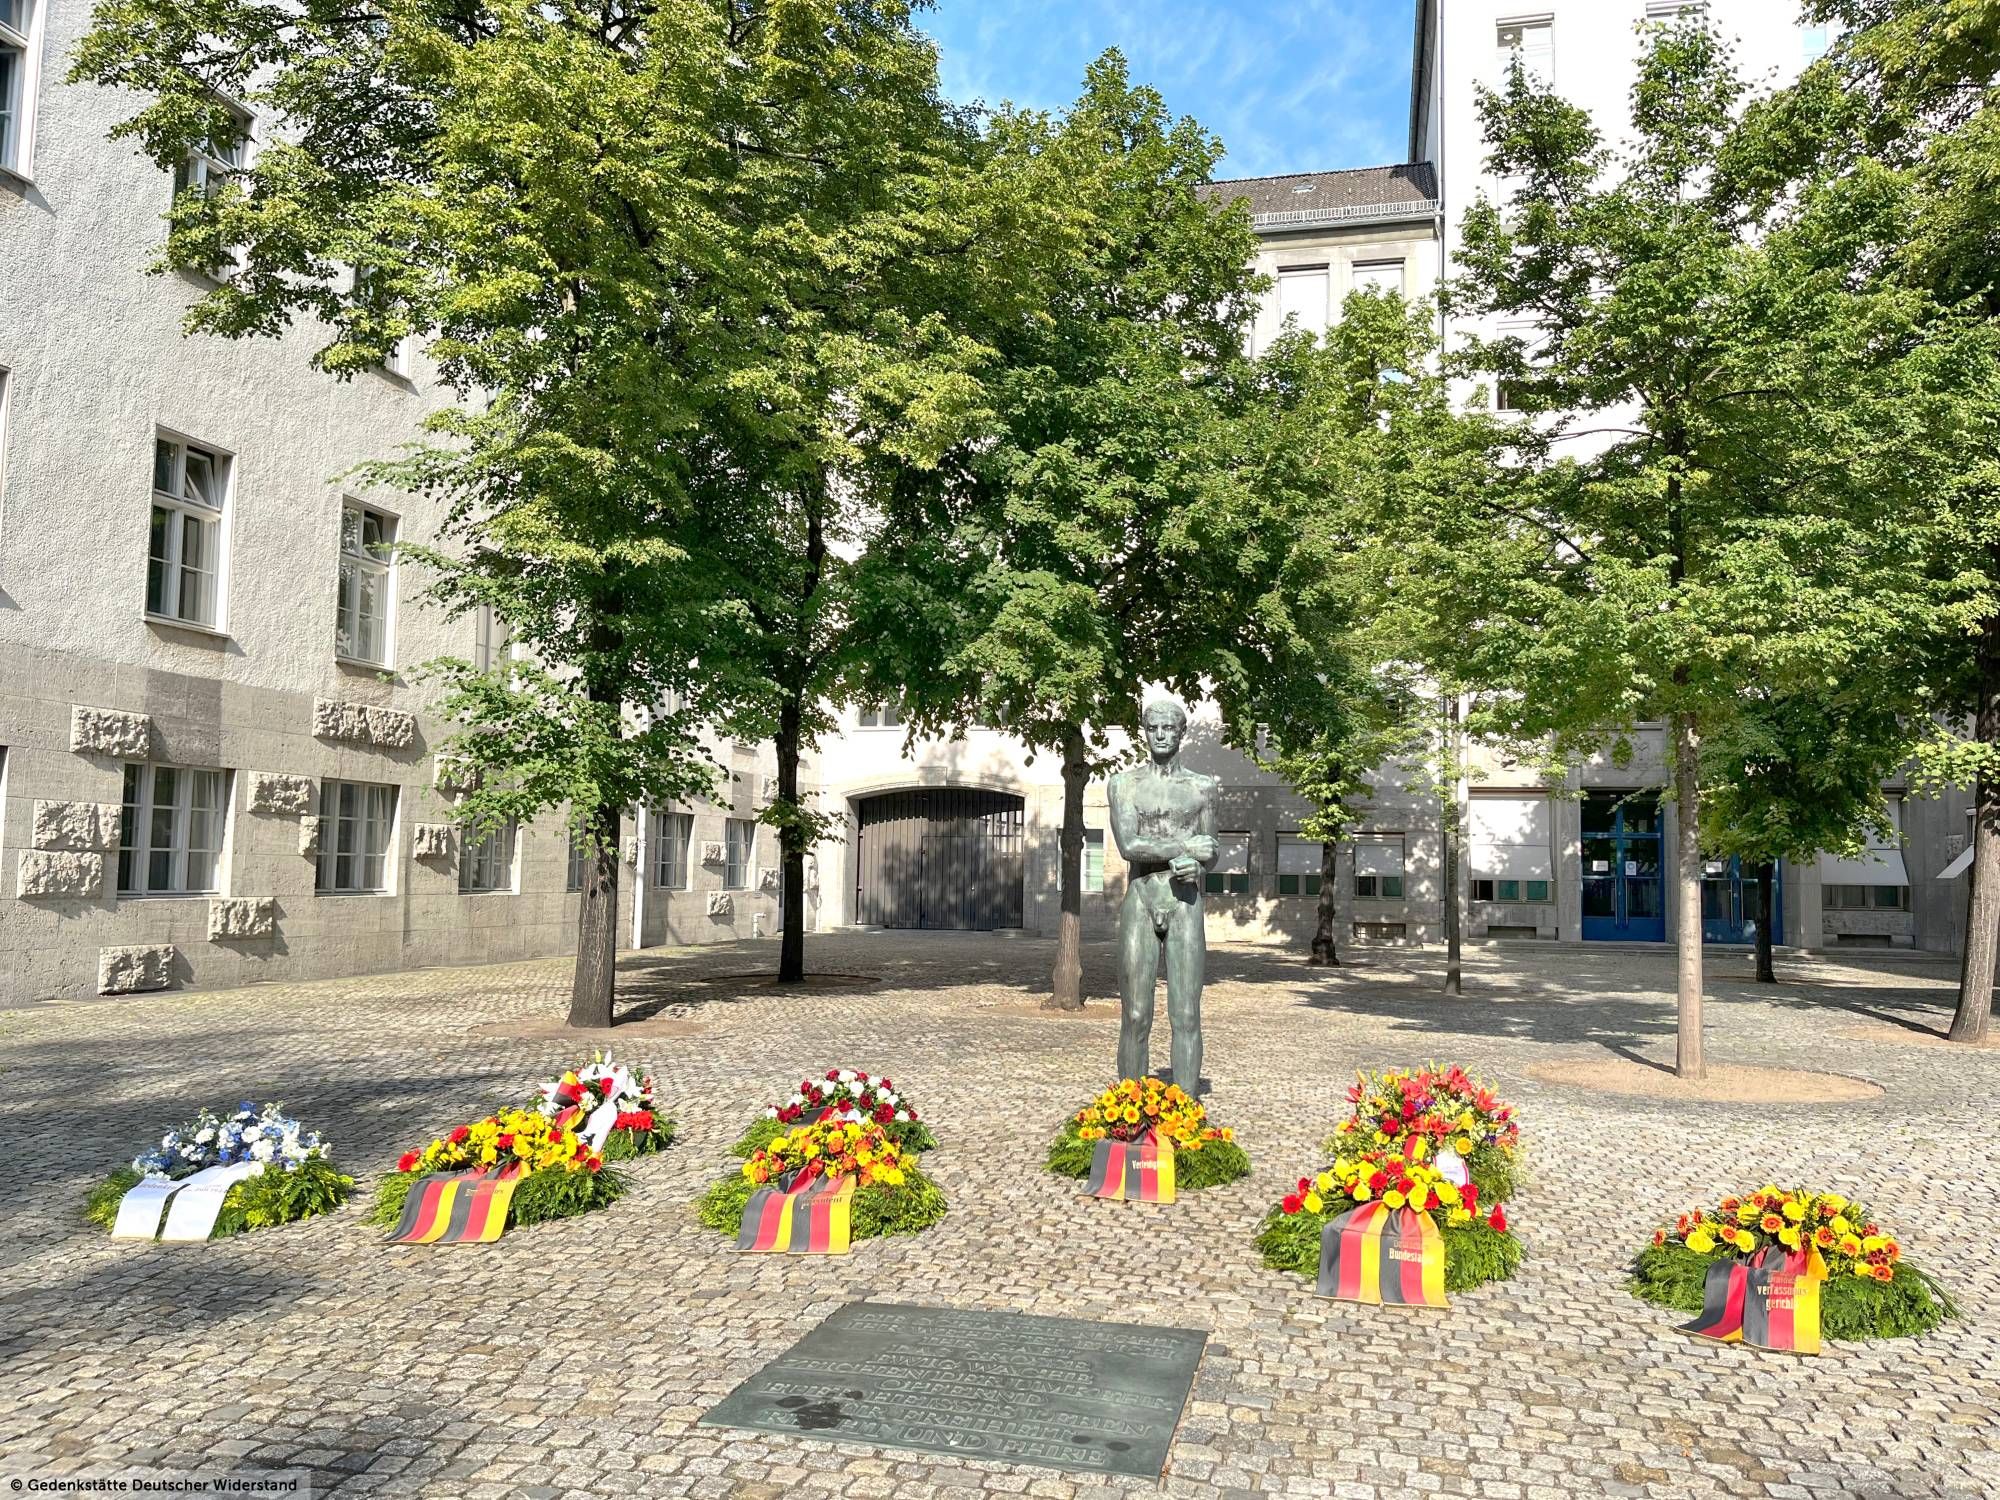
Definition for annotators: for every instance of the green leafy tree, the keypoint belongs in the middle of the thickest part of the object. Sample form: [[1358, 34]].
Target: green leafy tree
[[1896, 133], [1052, 590], [1683, 469], [571, 207]]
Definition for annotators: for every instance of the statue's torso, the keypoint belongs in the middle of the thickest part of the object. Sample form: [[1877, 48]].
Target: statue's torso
[[1162, 807]]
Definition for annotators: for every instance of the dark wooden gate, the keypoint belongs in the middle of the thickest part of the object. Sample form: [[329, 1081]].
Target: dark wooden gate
[[943, 857]]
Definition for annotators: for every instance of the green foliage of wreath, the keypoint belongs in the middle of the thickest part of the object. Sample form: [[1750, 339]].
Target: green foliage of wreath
[[313, 1187], [1474, 1253], [1215, 1163], [551, 1193], [915, 1204], [1673, 1276], [625, 1145], [911, 1135]]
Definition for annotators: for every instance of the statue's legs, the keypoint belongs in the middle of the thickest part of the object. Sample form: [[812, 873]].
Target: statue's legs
[[1138, 972], [1187, 956]]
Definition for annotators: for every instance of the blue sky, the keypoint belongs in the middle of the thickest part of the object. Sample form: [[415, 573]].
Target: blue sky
[[1289, 85]]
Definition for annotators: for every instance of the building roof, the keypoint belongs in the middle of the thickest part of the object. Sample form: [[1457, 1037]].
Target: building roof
[[1302, 199]]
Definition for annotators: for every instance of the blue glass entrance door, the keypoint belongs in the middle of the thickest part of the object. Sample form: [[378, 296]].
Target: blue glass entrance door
[[1624, 888], [1729, 902]]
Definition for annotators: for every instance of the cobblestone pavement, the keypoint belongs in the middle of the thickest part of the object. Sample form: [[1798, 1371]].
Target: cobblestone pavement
[[573, 1359]]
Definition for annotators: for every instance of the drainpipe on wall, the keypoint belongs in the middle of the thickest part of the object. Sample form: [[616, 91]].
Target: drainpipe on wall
[[641, 841]]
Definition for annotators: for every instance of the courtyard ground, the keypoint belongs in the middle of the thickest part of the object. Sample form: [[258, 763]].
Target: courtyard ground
[[573, 1359]]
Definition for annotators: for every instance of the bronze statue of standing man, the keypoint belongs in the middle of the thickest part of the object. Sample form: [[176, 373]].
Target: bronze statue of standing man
[[1163, 818]]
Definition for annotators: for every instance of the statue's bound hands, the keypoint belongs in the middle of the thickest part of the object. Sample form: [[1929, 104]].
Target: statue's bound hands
[[1201, 846], [1184, 867]]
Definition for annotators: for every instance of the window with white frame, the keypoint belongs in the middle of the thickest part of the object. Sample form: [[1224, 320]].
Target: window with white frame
[[1302, 297], [1378, 867], [207, 169], [368, 290], [880, 716], [1531, 43], [367, 573], [1507, 838], [739, 853], [1298, 865], [357, 820], [1093, 859], [1878, 879], [673, 834], [1379, 276], [18, 59], [170, 832], [493, 638], [1507, 393], [184, 557], [486, 859], [1669, 11], [1231, 874], [579, 859]]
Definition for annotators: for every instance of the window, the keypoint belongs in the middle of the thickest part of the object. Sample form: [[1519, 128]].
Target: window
[[1379, 276], [486, 859], [1537, 890], [1669, 11], [881, 716], [207, 171], [1093, 859], [356, 818], [579, 859], [361, 628], [184, 561], [1232, 866], [1302, 297], [1511, 395], [493, 638], [739, 848], [1532, 44], [1298, 865], [672, 833], [1813, 42], [1378, 866], [1867, 898], [18, 65], [369, 291], [1507, 846], [170, 835]]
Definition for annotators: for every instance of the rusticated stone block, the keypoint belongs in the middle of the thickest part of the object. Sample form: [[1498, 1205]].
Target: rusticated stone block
[[430, 840], [76, 825], [768, 881], [242, 917], [279, 792], [386, 727], [125, 971], [720, 904], [628, 850], [453, 774], [712, 852], [105, 731], [49, 874], [309, 827]]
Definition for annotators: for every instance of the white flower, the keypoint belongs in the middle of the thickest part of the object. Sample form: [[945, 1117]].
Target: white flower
[[264, 1150], [771, 1112], [254, 1133], [847, 1075], [902, 1116], [205, 1134], [889, 1096], [169, 1139]]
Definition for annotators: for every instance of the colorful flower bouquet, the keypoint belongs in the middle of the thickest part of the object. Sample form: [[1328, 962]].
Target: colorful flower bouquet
[[891, 1195], [1478, 1245], [611, 1107], [560, 1175], [1204, 1156], [1424, 1112], [844, 1094], [1870, 1292], [298, 1179]]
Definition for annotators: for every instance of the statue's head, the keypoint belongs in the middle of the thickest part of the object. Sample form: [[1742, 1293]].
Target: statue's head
[[1165, 724]]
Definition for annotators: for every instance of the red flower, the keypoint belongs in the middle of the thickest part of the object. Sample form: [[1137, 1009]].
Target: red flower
[[407, 1162], [1376, 1181], [595, 1164], [459, 1134], [1293, 1203], [1497, 1220], [1470, 1196], [504, 1142], [884, 1114], [833, 1075], [1304, 1183], [1659, 1238]]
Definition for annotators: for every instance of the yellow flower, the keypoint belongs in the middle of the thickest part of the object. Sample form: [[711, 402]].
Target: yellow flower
[[1314, 1202], [1324, 1182], [1700, 1241], [1464, 1144], [1863, 1270], [1873, 1243], [1460, 1216], [1362, 1193], [1840, 1224], [1448, 1194], [1794, 1210], [1393, 1198], [1745, 1240], [1789, 1237]]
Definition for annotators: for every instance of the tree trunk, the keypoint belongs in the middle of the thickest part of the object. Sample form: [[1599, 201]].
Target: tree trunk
[[593, 985], [1982, 913], [791, 850], [1325, 950], [1766, 887], [1688, 1060], [1066, 987], [1454, 974]]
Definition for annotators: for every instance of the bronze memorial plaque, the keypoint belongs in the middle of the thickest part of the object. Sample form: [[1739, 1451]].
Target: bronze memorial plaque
[[1061, 1393]]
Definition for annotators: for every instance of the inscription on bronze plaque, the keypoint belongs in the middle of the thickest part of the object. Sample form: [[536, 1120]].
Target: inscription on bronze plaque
[[1061, 1393]]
